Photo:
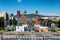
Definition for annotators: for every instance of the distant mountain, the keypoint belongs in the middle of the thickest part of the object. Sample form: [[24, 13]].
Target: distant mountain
[[33, 15], [29, 15]]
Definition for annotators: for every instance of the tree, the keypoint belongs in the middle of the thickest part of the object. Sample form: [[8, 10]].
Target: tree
[[1, 21], [58, 23], [11, 21], [49, 22], [14, 22]]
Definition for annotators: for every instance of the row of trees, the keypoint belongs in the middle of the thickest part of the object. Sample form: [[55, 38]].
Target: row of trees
[[48, 23], [1, 21], [57, 23], [14, 22]]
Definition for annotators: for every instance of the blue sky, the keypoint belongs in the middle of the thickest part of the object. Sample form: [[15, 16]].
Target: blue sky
[[44, 7]]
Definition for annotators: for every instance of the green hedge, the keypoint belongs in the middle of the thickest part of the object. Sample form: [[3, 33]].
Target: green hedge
[[2, 29], [53, 30]]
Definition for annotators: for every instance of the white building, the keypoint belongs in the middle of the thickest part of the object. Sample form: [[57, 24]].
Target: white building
[[2, 14]]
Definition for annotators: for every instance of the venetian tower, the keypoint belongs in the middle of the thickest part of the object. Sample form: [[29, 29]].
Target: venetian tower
[[36, 21], [40, 28], [18, 17], [36, 18], [25, 19], [18, 13]]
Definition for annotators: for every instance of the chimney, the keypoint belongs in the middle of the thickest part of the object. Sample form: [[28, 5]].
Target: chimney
[[18, 13], [36, 18], [24, 17]]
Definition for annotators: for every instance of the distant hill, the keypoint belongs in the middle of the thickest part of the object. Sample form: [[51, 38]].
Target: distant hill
[[33, 15]]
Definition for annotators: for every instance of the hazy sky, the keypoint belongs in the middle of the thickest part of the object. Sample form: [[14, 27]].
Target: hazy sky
[[44, 7]]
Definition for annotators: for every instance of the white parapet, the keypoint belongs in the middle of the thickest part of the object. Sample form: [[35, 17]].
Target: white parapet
[[25, 25], [19, 29], [37, 25], [40, 26], [44, 28]]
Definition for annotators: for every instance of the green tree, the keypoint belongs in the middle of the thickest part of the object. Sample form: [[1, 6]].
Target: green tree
[[58, 23], [49, 22], [1, 21], [14, 22], [11, 21]]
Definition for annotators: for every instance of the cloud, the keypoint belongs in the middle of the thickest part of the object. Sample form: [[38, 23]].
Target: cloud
[[19, 1]]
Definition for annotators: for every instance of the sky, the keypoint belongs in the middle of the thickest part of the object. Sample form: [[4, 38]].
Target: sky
[[44, 7]]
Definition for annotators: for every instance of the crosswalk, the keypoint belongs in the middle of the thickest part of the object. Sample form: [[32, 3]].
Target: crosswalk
[[29, 37]]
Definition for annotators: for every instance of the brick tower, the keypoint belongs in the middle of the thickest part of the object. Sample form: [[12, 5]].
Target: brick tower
[[39, 28], [36, 18], [18, 17], [24, 17], [18, 13]]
